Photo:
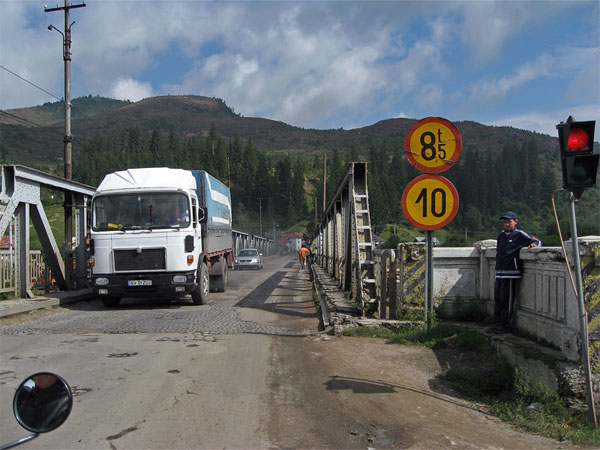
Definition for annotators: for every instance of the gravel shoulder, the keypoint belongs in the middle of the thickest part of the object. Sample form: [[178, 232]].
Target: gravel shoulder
[[366, 393]]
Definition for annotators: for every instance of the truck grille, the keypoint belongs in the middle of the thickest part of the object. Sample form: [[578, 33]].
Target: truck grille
[[147, 259]]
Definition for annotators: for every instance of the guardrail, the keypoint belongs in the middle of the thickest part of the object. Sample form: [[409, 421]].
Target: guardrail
[[39, 274], [463, 283]]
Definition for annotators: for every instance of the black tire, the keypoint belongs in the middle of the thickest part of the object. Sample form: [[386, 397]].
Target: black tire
[[200, 294], [110, 302]]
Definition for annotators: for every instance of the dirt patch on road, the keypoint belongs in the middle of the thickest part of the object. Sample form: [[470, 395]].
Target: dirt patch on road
[[365, 392]]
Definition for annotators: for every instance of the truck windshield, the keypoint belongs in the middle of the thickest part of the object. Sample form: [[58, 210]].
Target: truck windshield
[[136, 211]]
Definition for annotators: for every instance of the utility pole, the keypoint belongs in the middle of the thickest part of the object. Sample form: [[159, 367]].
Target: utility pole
[[68, 139], [316, 213], [583, 316], [260, 199], [324, 182]]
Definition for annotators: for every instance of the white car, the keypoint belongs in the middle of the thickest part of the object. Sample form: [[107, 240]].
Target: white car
[[248, 258]]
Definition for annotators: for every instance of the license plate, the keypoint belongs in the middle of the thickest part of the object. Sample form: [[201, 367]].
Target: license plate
[[139, 283]]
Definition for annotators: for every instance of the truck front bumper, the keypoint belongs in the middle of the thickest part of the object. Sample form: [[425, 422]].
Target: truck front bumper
[[144, 285]]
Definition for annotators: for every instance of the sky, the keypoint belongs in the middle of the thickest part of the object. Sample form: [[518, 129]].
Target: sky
[[318, 64]]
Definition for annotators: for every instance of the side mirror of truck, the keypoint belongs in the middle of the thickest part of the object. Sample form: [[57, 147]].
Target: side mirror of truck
[[202, 218]]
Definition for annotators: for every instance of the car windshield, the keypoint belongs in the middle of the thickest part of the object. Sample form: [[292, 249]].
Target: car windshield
[[140, 211], [248, 253]]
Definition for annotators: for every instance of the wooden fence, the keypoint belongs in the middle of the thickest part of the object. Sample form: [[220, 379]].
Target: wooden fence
[[400, 280]]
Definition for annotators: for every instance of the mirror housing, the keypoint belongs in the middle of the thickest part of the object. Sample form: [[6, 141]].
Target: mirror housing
[[202, 217], [42, 402]]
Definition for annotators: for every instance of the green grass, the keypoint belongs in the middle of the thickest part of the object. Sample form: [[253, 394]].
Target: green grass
[[436, 337], [509, 394]]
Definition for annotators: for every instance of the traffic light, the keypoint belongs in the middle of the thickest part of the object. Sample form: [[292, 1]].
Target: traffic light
[[577, 157]]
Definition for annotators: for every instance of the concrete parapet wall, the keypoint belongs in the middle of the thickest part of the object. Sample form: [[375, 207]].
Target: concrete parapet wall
[[546, 307]]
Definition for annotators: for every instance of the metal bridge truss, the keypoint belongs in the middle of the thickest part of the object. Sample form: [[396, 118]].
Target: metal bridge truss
[[20, 202], [265, 246], [345, 240]]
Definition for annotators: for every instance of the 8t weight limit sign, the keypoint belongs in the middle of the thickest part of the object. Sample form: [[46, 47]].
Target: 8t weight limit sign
[[433, 145]]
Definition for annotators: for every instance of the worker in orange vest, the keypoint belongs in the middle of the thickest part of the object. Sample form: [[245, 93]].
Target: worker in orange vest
[[303, 253]]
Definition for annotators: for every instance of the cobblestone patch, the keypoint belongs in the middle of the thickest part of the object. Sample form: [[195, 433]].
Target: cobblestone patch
[[220, 317]]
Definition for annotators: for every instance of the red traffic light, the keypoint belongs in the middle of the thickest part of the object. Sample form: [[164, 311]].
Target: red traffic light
[[578, 160], [576, 137], [578, 140]]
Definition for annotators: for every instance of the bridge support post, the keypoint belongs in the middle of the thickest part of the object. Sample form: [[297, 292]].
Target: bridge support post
[[22, 278]]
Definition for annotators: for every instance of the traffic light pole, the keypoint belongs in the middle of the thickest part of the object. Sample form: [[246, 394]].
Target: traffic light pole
[[582, 314]]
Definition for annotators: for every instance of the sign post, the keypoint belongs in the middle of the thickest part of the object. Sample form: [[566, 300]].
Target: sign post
[[430, 202]]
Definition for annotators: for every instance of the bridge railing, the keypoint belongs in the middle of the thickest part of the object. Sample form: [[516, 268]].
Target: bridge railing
[[39, 275], [546, 306]]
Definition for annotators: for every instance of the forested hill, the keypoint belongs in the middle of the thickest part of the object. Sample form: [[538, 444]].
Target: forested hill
[[501, 168], [193, 116], [54, 113]]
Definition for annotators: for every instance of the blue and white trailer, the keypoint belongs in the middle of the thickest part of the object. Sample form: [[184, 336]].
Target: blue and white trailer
[[160, 232]]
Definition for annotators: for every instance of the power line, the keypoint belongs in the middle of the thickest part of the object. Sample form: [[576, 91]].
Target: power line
[[33, 84], [43, 90], [21, 119]]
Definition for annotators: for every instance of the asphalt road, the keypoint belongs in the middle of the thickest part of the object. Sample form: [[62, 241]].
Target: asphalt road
[[250, 369]]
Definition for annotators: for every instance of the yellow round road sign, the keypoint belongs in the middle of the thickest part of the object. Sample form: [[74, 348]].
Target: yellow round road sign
[[430, 202], [433, 145]]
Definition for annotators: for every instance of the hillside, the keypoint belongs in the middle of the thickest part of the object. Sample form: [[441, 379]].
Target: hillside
[[193, 116], [54, 113], [500, 167]]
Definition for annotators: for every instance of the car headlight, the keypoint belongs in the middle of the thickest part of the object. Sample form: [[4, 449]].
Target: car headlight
[[101, 281]]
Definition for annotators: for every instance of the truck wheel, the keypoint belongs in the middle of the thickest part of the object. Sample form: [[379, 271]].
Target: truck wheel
[[200, 294], [221, 279], [110, 302]]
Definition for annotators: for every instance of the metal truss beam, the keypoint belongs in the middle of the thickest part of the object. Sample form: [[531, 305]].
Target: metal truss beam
[[20, 200], [344, 237]]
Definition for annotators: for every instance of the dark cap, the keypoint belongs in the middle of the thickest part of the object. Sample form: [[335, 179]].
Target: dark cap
[[510, 215]]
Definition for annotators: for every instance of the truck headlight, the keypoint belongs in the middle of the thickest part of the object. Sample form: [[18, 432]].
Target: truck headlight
[[179, 278], [101, 281]]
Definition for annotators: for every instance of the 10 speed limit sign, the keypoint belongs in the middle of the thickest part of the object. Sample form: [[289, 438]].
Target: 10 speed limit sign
[[430, 202], [433, 145]]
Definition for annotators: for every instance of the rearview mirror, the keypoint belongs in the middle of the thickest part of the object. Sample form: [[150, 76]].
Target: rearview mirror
[[42, 402], [202, 215]]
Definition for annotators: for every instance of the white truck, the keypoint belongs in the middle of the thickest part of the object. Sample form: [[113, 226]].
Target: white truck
[[160, 232]]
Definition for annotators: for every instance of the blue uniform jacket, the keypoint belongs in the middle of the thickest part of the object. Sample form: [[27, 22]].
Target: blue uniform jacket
[[507, 252]]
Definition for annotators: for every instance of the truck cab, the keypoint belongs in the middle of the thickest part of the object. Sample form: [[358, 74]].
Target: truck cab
[[149, 237]]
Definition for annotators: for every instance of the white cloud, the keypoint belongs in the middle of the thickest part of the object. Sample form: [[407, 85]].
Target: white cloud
[[285, 73], [130, 89], [312, 64], [35, 56], [487, 25], [565, 63], [545, 122]]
